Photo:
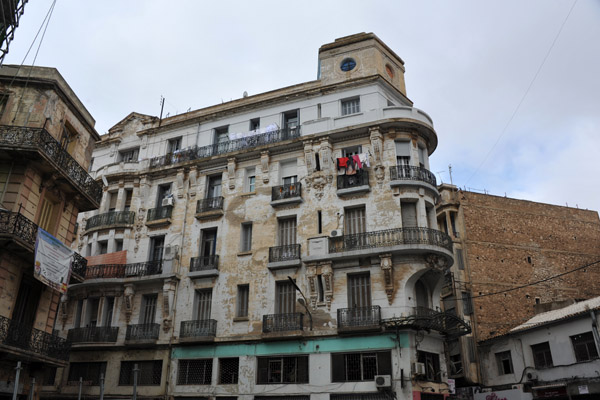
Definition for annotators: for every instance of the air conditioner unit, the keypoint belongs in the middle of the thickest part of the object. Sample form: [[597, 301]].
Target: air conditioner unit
[[418, 368], [532, 376], [167, 201], [171, 252], [383, 381], [336, 233]]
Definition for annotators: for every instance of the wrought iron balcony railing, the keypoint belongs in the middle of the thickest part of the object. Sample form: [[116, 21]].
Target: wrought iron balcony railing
[[93, 334], [198, 328], [288, 191], [123, 270], [111, 219], [390, 237], [209, 204], [282, 322], [204, 263], [38, 139], [196, 152], [446, 323], [19, 226], [358, 317], [142, 332], [155, 214], [284, 253], [411, 173], [361, 178], [33, 340]]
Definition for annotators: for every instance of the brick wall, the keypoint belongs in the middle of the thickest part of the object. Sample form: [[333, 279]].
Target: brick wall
[[118, 257]]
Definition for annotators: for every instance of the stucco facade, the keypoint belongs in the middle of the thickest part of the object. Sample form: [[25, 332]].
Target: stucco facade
[[250, 263]]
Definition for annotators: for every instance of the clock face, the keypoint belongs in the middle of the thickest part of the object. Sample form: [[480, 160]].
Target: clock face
[[348, 64]]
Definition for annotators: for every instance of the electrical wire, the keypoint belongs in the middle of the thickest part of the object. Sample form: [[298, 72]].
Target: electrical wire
[[524, 95]]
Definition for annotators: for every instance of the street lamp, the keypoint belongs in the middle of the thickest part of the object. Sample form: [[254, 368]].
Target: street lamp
[[303, 302]]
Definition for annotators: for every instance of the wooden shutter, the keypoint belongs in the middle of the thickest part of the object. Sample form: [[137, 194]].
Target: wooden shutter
[[148, 309], [354, 221], [287, 231], [285, 298], [409, 214], [359, 291], [203, 304]]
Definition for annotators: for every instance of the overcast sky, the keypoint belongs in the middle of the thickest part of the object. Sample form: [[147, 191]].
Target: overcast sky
[[469, 65]]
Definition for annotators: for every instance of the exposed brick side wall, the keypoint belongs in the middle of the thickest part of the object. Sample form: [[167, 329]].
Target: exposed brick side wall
[[513, 242], [118, 257]]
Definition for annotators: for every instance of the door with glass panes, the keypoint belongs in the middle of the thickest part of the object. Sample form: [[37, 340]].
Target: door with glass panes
[[287, 238], [359, 299]]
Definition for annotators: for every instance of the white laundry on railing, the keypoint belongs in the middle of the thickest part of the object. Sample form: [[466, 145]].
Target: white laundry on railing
[[240, 135]]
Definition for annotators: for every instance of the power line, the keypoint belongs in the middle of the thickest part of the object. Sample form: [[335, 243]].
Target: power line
[[524, 95]]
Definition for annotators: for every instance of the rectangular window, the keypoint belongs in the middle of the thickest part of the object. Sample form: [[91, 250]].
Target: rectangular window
[[157, 244], [255, 124], [88, 371], [408, 211], [102, 247], [433, 372], [320, 289], [214, 187], [319, 221], [222, 134], [542, 356], [459, 259], [467, 303], [129, 155], [351, 151], [48, 215], [422, 156], [285, 297], [128, 197], [356, 367], [109, 305], [78, 311], [164, 191], [243, 292], [228, 370], [246, 240], [174, 145], [208, 244], [286, 231], [354, 221], [195, 372], [351, 106], [359, 290], [149, 373], [148, 309], [282, 370], [402, 155], [112, 201], [202, 304], [291, 120], [504, 362], [584, 347], [288, 171], [93, 304], [250, 180], [118, 244]]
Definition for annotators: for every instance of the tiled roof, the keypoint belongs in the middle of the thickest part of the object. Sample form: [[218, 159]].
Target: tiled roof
[[560, 314]]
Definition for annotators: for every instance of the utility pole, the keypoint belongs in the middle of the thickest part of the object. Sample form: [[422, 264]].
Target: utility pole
[[16, 389]]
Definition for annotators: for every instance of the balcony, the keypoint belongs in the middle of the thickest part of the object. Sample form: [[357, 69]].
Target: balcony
[[142, 333], [446, 323], [111, 219], [284, 256], [282, 322], [93, 334], [18, 235], [286, 194], [27, 343], [403, 175], [217, 149], [204, 266], [211, 207], [39, 145], [359, 319], [124, 270], [352, 184], [159, 216], [198, 330]]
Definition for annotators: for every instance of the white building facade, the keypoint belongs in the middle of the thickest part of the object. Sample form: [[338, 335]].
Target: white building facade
[[280, 245]]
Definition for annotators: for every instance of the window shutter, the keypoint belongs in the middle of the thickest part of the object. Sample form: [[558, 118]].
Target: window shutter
[[384, 363]]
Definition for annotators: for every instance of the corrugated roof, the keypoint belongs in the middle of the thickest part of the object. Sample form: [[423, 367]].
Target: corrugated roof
[[561, 313]]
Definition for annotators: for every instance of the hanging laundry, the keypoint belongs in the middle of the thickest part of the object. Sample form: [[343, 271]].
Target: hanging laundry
[[364, 159], [342, 162], [351, 168], [357, 163]]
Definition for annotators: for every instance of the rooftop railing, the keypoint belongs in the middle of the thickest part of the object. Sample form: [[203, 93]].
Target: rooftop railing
[[123, 270], [288, 191], [282, 322], [198, 152], [33, 340], [209, 204], [198, 328], [204, 263], [110, 219], [390, 237], [38, 139], [142, 332], [93, 334], [411, 173]]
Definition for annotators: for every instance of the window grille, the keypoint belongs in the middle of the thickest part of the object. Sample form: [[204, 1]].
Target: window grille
[[355, 367], [282, 370], [149, 374], [195, 372], [351, 106], [242, 300], [228, 370], [88, 371], [584, 347]]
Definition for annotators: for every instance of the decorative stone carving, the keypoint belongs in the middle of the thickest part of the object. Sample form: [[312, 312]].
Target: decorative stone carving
[[311, 275], [179, 182], [325, 156], [436, 262], [231, 165], [327, 276], [81, 232], [317, 183], [376, 145], [388, 275], [169, 288], [308, 157], [379, 173], [264, 166], [192, 178], [128, 294], [137, 227]]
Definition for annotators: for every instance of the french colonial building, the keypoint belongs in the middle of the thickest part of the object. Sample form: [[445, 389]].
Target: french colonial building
[[46, 140], [283, 244]]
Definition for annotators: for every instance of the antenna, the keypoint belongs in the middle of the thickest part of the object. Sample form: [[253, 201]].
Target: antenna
[[450, 172], [162, 106]]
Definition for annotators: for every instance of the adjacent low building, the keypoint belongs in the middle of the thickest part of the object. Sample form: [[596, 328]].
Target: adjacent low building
[[283, 244]]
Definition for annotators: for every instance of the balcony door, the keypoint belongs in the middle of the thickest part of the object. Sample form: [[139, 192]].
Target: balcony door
[[27, 301], [148, 311], [208, 246], [285, 298], [359, 291], [157, 245], [214, 187]]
